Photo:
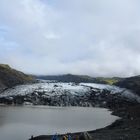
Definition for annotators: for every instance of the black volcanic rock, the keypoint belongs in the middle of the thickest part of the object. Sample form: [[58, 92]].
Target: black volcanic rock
[[132, 83], [10, 77]]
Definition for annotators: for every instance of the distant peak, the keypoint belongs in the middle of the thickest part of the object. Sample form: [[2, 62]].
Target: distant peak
[[5, 66]]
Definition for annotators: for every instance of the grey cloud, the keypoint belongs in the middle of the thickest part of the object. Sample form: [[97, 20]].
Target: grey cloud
[[99, 38]]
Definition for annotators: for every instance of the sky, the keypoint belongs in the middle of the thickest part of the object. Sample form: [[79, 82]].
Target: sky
[[88, 37]]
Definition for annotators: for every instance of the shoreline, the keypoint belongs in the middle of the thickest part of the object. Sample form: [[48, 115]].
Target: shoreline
[[125, 128]]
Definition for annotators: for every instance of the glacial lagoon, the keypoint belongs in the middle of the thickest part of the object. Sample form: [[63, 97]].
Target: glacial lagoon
[[20, 122]]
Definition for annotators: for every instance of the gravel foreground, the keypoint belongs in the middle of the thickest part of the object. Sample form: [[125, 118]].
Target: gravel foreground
[[126, 128]]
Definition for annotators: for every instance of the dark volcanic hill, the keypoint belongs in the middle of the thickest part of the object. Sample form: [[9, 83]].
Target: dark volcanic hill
[[80, 78], [10, 77], [132, 83], [72, 78]]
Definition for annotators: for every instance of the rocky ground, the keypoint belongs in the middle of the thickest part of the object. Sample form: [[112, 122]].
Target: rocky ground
[[127, 128]]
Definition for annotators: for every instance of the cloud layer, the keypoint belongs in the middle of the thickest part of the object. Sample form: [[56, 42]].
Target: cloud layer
[[98, 38]]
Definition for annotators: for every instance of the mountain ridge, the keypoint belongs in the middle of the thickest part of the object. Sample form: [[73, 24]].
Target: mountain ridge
[[10, 77], [79, 78]]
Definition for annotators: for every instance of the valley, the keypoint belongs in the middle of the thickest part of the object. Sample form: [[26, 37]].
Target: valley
[[119, 95]]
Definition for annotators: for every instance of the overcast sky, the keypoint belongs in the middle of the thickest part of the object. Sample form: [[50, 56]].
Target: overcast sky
[[90, 37]]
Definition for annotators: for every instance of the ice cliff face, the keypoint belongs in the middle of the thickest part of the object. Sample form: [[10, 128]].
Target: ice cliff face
[[68, 94]]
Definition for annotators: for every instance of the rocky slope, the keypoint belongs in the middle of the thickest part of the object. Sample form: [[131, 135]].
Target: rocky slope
[[10, 77], [132, 83]]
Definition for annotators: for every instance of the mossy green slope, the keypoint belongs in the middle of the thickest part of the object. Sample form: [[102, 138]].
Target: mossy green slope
[[10, 77]]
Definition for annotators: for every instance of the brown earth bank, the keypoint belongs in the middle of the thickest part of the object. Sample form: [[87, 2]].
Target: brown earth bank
[[126, 128]]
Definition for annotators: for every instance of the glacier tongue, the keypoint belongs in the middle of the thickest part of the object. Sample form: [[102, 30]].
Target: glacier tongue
[[48, 88], [67, 94], [115, 90]]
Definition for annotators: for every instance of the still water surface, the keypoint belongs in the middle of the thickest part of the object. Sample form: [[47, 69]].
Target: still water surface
[[19, 123]]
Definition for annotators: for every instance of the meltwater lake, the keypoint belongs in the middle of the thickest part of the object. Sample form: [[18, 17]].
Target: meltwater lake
[[20, 122]]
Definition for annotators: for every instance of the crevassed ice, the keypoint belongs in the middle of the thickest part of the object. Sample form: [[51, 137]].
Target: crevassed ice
[[114, 90], [48, 88], [52, 89]]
